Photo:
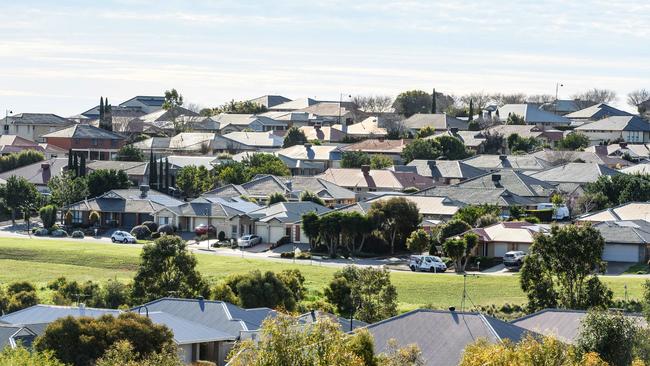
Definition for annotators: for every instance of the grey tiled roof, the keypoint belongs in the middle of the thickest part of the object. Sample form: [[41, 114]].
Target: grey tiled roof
[[596, 112], [574, 173], [47, 119], [85, 132], [617, 123], [438, 121], [625, 232], [39, 314], [516, 162], [442, 335], [531, 114], [270, 100], [152, 101], [476, 196], [515, 182], [287, 212], [36, 174], [187, 331], [445, 169]]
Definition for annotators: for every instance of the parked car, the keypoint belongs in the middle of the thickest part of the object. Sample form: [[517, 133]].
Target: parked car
[[428, 263], [248, 240], [559, 213], [514, 259], [123, 237], [203, 229]]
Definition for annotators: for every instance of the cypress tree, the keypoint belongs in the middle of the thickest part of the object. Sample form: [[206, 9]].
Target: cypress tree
[[471, 110], [166, 175], [161, 175], [434, 106], [70, 160], [108, 115], [153, 173], [101, 112], [76, 165], [82, 165]]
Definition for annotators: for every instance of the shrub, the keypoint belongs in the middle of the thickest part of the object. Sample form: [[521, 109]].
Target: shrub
[[42, 232], [152, 226], [221, 236], [287, 255], [140, 232], [283, 240], [166, 229], [48, 215], [78, 234], [59, 233], [542, 215], [155, 235]]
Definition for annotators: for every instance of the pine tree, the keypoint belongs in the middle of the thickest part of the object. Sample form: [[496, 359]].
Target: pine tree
[[434, 106], [471, 110]]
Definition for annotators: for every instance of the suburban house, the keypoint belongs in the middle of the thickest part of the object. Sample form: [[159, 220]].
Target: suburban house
[[532, 115], [342, 113], [562, 324], [632, 129], [595, 112], [445, 171], [293, 118], [269, 101], [96, 143], [457, 330], [562, 107], [473, 140], [207, 210], [123, 208], [137, 171], [39, 173], [579, 173], [631, 211], [32, 126], [515, 182], [633, 153], [310, 159], [365, 180], [145, 103], [293, 105], [440, 122], [236, 142], [477, 196], [433, 209], [176, 162], [545, 135], [230, 122], [514, 162], [366, 129], [390, 148], [594, 155], [498, 239], [625, 241], [10, 144], [280, 220], [184, 143], [322, 133], [156, 145]]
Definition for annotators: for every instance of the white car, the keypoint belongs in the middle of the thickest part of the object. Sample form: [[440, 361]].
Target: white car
[[248, 240], [559, 213], [514, 259], [123, 237], [428, 263]]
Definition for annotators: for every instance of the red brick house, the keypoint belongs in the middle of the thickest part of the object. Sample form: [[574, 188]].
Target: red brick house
[[97, 143]]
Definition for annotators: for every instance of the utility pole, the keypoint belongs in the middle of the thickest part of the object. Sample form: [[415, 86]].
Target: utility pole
[[557, 89]]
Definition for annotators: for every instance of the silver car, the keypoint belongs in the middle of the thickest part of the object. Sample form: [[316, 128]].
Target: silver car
[[248, 240]]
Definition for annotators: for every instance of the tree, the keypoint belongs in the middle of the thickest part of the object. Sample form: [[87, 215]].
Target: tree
[[276, 197], [122, 353], [18, 194], [493, 142], [311, 197], [573, 141], [609, 191], [559, 269], [311, 227], [373, 104], [594, 96], [101, 181], [637, 97], [65, 189], [285, 341], [471, 213], [515, 98], [293, 137], [365, 293], [174, 100], [129, 153], [16, 160], [515, 119], [418, 241], [19, 295], [611, 334], [460, 249], [239, 107], [193, 180], [409, 355], [451, 148], [452, 228], [256, 289], [425, 131], [231, 173], [426, 149], [166, 267], [264, 164], [81, 341], [397, 216], [411, 102], [354, 159], [530, 351], [22, 356], [479, 100], [525, 144], [48, 215], [380, 162]]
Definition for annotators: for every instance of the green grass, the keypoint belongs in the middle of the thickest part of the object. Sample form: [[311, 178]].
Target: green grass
[[40, 261]]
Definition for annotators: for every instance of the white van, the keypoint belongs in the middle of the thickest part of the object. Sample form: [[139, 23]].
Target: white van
[[428, 263], [559, 213]]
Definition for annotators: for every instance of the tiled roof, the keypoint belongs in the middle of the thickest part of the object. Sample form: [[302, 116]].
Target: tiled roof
[[47, 119], [515, 182], [257, 139], [311, 152], [295, 104], [477, 196], [367, 127], [438, 121], [378, 146], [627, 211], [617, 123], [85, 132], [129, 167], [531, 114], [270, 100], [574, 173], [152, 101], [445, 169], [40, 172], [516, 162], [596, 112]]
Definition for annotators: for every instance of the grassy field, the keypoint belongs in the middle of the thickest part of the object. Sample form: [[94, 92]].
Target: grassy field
[[41, 261]]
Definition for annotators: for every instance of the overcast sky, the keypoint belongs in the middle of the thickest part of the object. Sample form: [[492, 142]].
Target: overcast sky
[[60, 56]]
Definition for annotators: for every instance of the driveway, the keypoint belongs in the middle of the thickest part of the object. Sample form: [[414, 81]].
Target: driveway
[[617, 268]]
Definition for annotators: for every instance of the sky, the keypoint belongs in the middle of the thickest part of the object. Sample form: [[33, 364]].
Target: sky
[[61, 56]]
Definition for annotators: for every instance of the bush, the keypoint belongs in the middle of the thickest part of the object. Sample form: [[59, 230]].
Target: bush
[[78, 234], [221, 236], [287, 255], [59, 233], [155, 235], [42, 232], [152, 226], [542, 215], [48, 215], [283, 240], [166, 229], [141, 232]]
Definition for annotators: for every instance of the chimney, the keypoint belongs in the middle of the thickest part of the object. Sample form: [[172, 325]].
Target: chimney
[[496, 178], [289, 185], [143, 190], [45, 166], [307, 145], [431, 164], [452, 309], [365, 169], [313, 316], [623, 145], [503, 157], [454, 130], [381, 138]]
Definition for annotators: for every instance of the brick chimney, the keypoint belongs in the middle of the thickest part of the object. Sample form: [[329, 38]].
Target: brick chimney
[[454, 130], [622, 145], [144, 189], [503, 157], [365, 169]]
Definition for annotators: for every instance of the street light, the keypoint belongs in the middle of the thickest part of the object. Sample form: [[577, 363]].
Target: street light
[[557, 89]]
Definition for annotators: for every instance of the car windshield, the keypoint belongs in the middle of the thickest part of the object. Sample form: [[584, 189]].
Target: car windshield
[[509, 255], [246, 237]]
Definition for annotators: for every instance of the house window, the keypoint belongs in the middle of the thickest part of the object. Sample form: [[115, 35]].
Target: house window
[[113, 143], [233, 231], [77, 217], [94, 142], [287, 231], [163, 220]]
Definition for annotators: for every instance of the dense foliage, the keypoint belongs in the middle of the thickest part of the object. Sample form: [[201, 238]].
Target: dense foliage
[[16, 160], [101, 181]]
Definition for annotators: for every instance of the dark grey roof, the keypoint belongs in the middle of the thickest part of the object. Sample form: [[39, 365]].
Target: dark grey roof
[[265, 185], [476, 196], [596, 112], [574, 173], [438, 121], [217, 315], [39, 314], [515, 182], [152, 101], [40, 172], [559, 323], [625, 232], [48, 119], [442, 335], [531, 114], [270, 100], [454, 169], [85, 132], [127, 200], [187, 331], [515, 162]]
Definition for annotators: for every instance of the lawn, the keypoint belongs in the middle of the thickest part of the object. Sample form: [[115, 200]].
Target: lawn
[[41, 261]]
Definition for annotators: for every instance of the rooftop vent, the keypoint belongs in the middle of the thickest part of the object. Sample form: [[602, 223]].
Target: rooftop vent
[[496, 178]]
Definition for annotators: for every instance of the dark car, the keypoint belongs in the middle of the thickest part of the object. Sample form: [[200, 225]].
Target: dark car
[[203, 229]]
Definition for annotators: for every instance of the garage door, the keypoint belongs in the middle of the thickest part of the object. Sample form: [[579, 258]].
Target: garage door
[[621, 253], [523, 247], [262, 230], [500, 250], [200, 220], [277, 232]]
